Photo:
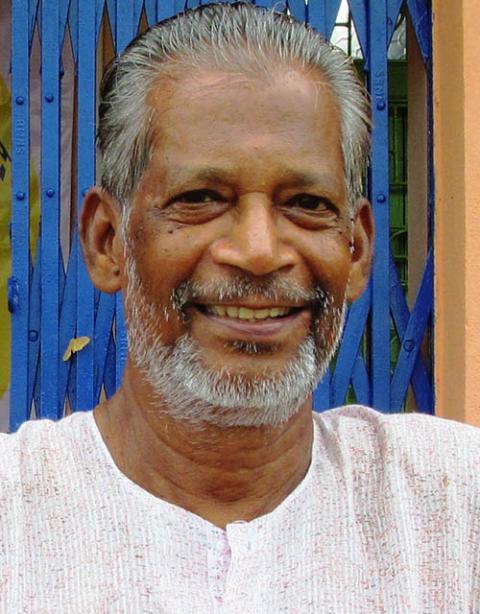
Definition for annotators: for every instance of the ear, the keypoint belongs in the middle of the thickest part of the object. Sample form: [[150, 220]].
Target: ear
[[101, 239], [362, 249]]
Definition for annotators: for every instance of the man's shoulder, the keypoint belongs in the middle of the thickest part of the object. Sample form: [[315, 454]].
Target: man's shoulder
[[366, 420], [37, 445], [413, 441]]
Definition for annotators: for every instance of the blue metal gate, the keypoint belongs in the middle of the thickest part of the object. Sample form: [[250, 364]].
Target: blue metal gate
[[51, 304]]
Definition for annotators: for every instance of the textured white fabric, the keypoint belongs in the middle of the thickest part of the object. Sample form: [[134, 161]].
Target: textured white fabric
[[387, 520]]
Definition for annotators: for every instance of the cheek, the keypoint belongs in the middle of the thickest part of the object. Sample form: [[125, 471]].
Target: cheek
[[167, 256], [328, 257]]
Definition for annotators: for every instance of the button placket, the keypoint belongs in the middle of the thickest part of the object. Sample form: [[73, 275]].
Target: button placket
[[241, 537], [218, 561]]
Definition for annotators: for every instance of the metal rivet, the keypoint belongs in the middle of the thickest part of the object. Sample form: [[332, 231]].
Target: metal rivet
[[12, 294], [20, 195], [381, 198], [50, 192], [380, 105], [408, 345], [49, 97], [33, 335], [19, 99]]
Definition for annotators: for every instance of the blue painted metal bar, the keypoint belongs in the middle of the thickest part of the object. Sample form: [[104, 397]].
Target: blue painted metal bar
[[298, 9], [321, 395], [36, 388], [34, 328], [358, 10], [103, 334], [32, 9], [62, 21], [261, 3], [322, 14], [110, 370], [73, 27], [137, 13], [165, 9], [421, 380], [413, 337], [61, 289], [112, 16], [151, 11], [50, 211], [378, 85], [421, 15], [349, 348], [393, 11], [86, 71], [67, 321], [19, 283], [99, 6], [360, 382], [72, 384], [191, 4]]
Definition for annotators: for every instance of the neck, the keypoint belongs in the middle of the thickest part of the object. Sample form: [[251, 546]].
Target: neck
[[219, 474]]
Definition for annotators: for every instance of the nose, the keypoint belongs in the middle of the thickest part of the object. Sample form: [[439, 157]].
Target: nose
[[254, 244]]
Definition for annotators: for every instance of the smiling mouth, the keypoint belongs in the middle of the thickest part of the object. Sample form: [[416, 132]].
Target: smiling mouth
[[252, 324], [247, 313]]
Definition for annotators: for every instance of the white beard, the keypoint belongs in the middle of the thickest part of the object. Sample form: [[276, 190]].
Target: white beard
[[190, 391]]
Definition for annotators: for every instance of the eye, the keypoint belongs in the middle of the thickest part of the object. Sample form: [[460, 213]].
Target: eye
[[200, 197], [195, 206], [308, 202]]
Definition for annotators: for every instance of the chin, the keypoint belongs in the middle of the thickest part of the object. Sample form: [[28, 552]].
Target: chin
[[190, 390]]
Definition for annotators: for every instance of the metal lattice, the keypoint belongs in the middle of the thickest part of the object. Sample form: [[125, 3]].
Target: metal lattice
[[51, 304]]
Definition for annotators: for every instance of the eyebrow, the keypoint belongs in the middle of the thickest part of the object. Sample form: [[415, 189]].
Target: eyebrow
[[301, 178], [292, 178], [209, 174]]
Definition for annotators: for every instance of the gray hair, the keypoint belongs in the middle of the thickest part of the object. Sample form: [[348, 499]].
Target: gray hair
[[238, 38]]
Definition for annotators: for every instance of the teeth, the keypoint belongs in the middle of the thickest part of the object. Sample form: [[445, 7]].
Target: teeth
[[245, 313], [261, 314], [221, 310]]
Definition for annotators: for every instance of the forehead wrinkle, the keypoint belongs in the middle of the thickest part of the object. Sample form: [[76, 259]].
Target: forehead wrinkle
[[171, 83], [218, 174], [206, 83]]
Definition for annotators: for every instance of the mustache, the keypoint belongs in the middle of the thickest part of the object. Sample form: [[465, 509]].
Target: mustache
[[272, 288]]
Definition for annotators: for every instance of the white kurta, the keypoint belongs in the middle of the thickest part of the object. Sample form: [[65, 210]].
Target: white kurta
[[387, 520]]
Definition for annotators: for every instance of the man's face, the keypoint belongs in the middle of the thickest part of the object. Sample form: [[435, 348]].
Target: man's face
[[238, 245]]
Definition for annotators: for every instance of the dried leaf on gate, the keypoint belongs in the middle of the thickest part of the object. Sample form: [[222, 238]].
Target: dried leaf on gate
[[75, 345]]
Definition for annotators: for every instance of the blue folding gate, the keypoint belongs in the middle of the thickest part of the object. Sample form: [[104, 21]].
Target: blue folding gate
[[51, 304]]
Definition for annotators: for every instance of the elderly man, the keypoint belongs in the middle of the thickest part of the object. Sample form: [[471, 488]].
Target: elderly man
[[233, 141]]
